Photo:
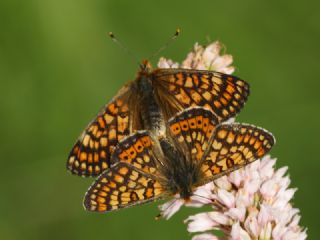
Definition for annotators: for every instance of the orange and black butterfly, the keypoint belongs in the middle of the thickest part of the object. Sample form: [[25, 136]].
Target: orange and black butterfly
[[147, 103], [196, 150]]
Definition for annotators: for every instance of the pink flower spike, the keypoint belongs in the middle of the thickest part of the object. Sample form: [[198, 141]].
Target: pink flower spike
[[253, 202]]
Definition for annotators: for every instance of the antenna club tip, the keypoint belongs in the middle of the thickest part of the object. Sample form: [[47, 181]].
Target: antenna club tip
[[111, 34], [178, 31]]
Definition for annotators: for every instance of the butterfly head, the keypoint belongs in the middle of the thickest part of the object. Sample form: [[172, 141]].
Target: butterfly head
[[145, 66]]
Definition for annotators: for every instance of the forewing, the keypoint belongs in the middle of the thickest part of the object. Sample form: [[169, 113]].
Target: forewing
[[178, 89], [191, 130], [121, 186], [233, 146], [90, 155]]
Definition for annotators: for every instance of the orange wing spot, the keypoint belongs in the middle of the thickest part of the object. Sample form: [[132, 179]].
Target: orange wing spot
[[207, 95], [222, 134], [172, 87], [195, 79], [146, 141], [118, 178], [119, 102], [192, 123], [180, 79], [246, 138], [224, 101], [215, 169], [175, 129], [184, 125], [90, 158], [210, 130], [138, 146], [83, 156], [239, 139], [230, 89], [96, 157], [104, 141], [261, 152], [217, 104], [101, 122], [183, 97], [123, 156], [257, 144], [205, 124], [101, 200], [123, 171], [108, 118], [112, 134], [199, 121], [149, 192], [196, 97], [113, 109], [188, 82], [217, 80], [102, 208], [230, 137], [227, 96], [123, 124], [125, 109], [132, 152]]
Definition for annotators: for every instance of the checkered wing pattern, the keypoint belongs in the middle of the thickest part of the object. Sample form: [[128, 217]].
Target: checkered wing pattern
[[121, 186], [139, 151], [178, 89], [233, 146], [191, 130], [91, 154]]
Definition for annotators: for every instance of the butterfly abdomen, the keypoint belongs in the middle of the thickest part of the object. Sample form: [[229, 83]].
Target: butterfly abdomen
[[150, 114]]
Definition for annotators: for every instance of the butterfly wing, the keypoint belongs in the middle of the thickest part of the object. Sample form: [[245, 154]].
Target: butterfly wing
[[133, 179], [191, 131], [178, 89], [90, 155], [121, 186], [233, 146]]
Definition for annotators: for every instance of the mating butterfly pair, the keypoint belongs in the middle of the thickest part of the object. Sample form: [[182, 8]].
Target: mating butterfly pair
[[147, 103], [197, 150], [197, 147]]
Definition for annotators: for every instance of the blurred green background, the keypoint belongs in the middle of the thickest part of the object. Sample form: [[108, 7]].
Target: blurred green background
[[57, 68]]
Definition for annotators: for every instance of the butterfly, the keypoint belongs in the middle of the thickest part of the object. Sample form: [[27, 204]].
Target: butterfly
[[147, 103], [196, 150]]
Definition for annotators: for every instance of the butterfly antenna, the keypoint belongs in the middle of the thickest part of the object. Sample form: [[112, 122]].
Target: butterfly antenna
[[210, 200], [123, 47], [170, 40]]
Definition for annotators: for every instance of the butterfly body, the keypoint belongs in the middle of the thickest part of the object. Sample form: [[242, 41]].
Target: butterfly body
[[180, 173], [150, 113]]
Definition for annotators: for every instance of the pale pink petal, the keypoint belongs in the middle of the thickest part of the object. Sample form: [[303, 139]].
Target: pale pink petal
[[237, 213], [167, 63], [266, 231], [219, 218], [205, 236], [226, 198], [237, 233], [200, 222], [170, 208], [251, 225]]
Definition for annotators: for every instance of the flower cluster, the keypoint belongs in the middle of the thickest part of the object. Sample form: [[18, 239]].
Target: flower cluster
[[249, 203]]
